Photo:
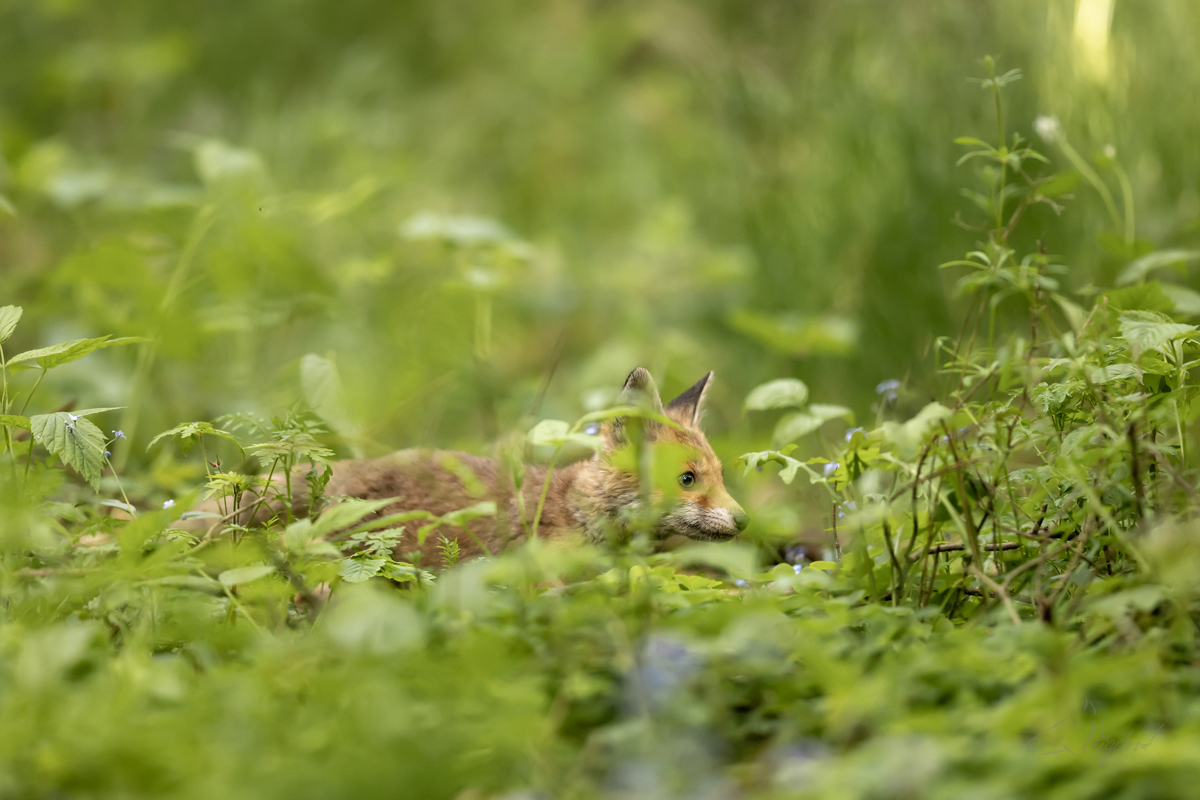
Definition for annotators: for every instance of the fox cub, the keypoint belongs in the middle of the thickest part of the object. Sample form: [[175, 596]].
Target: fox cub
[[589, 500]]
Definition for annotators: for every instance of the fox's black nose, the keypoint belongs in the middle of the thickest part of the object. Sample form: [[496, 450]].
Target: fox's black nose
[[741, 519]]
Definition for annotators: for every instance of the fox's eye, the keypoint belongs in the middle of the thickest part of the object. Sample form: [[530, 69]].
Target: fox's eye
[[687, 479]]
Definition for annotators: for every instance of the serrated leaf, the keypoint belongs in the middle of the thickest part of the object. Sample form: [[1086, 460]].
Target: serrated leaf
[[1114, 372], [14, 420], [240, 575], [80, 447], [357, 570], [1145, 330], [781, 393], [9, 317]]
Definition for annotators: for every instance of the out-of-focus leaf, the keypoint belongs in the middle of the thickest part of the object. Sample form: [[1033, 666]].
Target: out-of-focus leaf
[[241, 575], [15, 421], [909, 437], [322, 389], [1062, 183], [1138, 269], [9, 317], [781, 393], [798, 336]]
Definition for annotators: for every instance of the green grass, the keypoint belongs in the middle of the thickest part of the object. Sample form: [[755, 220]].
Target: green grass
[[270, 237]]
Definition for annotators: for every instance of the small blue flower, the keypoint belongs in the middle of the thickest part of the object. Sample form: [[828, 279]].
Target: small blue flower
[[107, 453], [118, 434], [850, 433], [831, 468], [739, 582], [169, 504], [846, 506], [73, 417], [797, 568], [592, 428], [888, 389]]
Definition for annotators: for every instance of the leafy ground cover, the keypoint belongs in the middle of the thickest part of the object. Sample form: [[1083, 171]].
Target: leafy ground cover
[[1004, 605]]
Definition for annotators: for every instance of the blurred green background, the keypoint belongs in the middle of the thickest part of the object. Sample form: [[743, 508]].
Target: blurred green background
[[454, 199]]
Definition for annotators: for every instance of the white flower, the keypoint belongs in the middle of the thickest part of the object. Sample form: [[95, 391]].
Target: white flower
[[1048, 128], [169, 504]]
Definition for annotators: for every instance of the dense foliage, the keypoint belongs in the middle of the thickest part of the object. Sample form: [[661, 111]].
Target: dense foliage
[[264, 258]]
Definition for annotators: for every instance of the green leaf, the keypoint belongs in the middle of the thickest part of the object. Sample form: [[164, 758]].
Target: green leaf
[[555, 433], [58, 354], [322, 389], [1114, 372], [1146, 297], [7, 207], [345, 514], [797, 335], [357, 570], [1187, 301], [737, 559], [802, 423], [464, 515], [780, 393], [1137, 270], [120, 505], [80, 447], [240, 575], [1062, 183], [190, 431], [908, 437], [9, 317], [15, 421], [1145, 330]]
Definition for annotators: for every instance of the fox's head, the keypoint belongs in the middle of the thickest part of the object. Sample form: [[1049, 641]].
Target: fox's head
[[680, 470]]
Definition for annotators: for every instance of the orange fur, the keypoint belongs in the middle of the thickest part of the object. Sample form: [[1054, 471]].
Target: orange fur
[[590, 499]]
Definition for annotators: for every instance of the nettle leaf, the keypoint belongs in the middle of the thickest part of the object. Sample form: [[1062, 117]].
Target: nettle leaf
[[1145, 330], [14, 421], [66, 352], [9, 317], [80, 446], [357, 570], [236, 577], [1114, 372], [781, 393]]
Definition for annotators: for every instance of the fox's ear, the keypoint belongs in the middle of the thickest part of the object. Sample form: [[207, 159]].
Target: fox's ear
[[688, 407], [639, 390]]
